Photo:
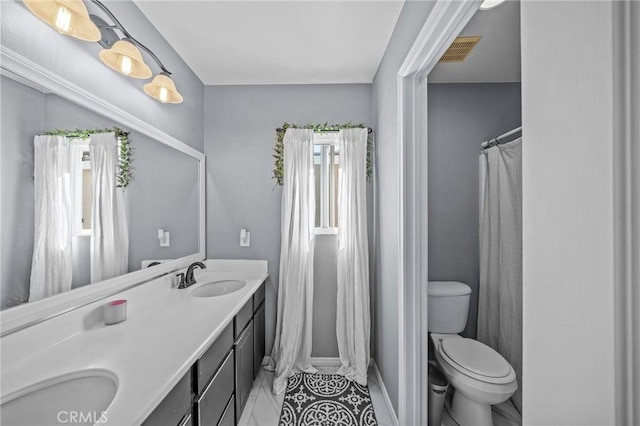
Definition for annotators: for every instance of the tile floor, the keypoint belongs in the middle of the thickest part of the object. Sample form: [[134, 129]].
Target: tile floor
[[504, 414], [263, 408]]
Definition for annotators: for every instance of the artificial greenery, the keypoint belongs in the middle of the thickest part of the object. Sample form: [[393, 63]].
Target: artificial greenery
[[124, 175], [278, 149]]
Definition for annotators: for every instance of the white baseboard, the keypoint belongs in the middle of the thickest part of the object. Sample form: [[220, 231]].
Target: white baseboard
[[387, 400], [325, 361]]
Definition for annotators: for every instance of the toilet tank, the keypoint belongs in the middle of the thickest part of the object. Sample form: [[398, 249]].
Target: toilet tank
[[448, 306]]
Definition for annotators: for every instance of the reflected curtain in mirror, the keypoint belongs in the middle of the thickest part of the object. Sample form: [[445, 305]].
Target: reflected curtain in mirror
[[51, 268], [56, 201], [110, 232]]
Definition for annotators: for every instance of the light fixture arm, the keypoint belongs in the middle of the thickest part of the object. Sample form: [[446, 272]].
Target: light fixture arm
[[117, 25]]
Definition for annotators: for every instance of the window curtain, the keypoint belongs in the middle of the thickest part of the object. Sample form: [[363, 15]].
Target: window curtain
[[353, 321], [51, 267], [109, 218], [500, 296], [292, 347]]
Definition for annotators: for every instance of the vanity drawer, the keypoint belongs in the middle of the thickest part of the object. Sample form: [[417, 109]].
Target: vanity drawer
[[213, 357], [213, 401], [229, 416], [258, 297], [242, 318], [174, 406]]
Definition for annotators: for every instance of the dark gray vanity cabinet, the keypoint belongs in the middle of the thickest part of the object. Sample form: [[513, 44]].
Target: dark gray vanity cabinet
[[175, 408], [258, 339], [243, 349], [211, 405]]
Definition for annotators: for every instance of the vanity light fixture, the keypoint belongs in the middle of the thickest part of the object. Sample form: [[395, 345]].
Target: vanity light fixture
[[69, 17], [490, 4], [120, 54], [125, 58], [163, 89]]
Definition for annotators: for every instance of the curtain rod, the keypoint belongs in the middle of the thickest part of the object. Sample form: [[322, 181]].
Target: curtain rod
[[496, 140], [369, 130]]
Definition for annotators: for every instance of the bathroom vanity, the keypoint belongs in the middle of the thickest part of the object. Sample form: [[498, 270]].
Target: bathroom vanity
[[216, 388], [182, 357]]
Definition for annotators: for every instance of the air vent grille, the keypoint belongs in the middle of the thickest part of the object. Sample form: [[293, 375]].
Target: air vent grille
[[460, 49]]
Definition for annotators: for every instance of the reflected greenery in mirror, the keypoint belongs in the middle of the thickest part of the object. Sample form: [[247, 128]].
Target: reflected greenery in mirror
[[125, 155]]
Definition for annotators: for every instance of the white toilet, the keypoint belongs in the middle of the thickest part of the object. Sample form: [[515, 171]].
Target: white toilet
[[480, 376]]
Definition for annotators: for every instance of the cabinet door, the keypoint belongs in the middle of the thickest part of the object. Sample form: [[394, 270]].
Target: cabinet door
[[244, 368], [211, 404], [258, 340]]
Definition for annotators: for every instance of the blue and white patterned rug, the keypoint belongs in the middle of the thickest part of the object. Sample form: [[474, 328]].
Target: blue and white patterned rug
[[326, 400]]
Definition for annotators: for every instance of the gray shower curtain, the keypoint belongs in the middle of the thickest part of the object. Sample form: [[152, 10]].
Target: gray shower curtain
[[500, 296]]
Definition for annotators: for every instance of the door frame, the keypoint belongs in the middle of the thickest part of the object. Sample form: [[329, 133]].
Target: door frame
[[626, 95], [444, 22]]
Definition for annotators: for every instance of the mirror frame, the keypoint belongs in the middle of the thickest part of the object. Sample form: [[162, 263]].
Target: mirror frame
[[13, 319]]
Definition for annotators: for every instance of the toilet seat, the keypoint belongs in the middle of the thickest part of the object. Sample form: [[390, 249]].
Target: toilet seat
[[476, 360]]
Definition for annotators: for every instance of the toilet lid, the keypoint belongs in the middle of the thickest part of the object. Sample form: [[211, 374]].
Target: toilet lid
[[472, 356]]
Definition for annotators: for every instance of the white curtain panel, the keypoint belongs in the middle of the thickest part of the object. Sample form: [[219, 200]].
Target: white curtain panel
[[353, 323], [51, 268], [500, 296], [292, 347], [109, 218]]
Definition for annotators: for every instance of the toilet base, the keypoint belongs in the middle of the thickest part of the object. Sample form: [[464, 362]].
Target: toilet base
[[467, 412]]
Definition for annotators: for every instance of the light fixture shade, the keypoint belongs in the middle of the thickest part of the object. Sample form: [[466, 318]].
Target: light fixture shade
[[490, 4], [123, 50], [163, 89], [69, 17]]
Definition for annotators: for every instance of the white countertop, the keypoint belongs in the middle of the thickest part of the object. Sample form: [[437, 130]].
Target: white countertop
[[166, 331]]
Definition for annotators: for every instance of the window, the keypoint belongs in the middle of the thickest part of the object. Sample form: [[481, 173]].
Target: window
[[326, 161], [82, 188]]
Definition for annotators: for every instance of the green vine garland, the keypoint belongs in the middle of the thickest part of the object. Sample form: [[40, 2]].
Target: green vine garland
[[278, 148], [125, 154]]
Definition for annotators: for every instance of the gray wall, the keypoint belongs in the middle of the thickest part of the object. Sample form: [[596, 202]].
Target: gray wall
[[163, 192], [385, 320], [240, 123], [461, 116], [78, 62], [16, 187]]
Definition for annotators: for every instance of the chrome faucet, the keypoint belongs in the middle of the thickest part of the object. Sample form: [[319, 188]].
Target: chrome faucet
[[187, 279]]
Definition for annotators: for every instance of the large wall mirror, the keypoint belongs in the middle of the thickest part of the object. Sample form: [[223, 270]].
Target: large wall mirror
[[166, 192]]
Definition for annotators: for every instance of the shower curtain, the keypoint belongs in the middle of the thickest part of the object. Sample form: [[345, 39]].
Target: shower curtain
[[500, 296], [352, 320], [51, 266], [109, 218], [292, 346]]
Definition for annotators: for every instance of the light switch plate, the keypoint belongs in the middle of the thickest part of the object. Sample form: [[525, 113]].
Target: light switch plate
[[245, 238]]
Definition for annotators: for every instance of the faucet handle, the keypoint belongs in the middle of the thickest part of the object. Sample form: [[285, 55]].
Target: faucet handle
[[181, 283]]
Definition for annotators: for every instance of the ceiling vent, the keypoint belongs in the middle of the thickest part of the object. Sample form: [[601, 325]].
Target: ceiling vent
[[459, 49]]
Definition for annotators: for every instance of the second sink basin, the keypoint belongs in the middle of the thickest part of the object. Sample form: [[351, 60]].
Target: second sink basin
[[217, 288], [81, 398]]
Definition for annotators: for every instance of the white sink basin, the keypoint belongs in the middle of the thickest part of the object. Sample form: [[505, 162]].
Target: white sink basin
[[79, 398], [217, 288]]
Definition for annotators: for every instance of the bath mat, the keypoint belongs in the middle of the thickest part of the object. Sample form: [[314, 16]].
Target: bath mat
[[326, 399]]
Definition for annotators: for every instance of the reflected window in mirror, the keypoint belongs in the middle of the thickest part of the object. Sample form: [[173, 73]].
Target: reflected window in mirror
[[81, 180]]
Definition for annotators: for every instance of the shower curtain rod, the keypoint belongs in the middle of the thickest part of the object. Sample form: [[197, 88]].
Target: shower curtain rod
[[496, 140]]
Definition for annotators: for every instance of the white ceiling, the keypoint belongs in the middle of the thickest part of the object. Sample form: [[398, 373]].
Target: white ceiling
[[496, 57], [277, 42]]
